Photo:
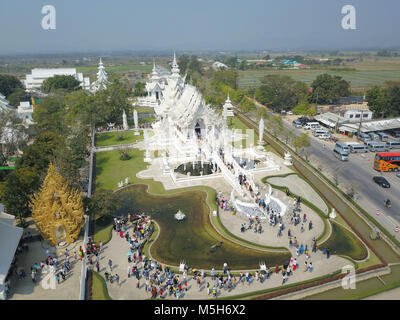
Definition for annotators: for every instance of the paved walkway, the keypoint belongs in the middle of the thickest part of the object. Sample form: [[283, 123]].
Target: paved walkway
[[117, 249], [393, 294], [269, 235], [301, 188], [25, 289]]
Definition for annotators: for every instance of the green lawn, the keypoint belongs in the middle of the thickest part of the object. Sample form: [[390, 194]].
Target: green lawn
[[344, 242], [99, 287], [113, 138], [110, 169]]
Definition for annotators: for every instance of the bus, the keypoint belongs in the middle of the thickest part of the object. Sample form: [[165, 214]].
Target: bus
[[387, 161]]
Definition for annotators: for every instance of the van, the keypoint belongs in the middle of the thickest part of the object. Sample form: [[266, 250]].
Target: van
[[324, 136], [373, 136], [318, 132], [358, 148], [342, 146], [378, 146], [393, 144], [340, 154], [395, 133], [383, 136], [364, 137], [312, 125]]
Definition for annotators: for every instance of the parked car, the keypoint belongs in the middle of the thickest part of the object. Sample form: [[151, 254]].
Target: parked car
[[381, 181], [398, 174], [297, 123]]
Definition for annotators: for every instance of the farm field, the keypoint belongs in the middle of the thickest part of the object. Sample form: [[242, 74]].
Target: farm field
[[358, 79]]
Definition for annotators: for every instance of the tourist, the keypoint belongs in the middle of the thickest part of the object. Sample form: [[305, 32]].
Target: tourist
[[110, 264], [328, 253], [301, 249], [212, 273], [224, 267], [117, 279], [33, 275], [198, 282], [214, 292], [297, 251], [284, 277], [208, 288], [294, 264], [98, 266], [106, 274], [310, 267], [288, 270], [310, 225]]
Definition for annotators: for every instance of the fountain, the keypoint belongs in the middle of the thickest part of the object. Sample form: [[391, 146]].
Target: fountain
[[180, 215]]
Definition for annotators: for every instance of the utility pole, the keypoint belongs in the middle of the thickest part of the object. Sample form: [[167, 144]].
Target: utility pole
[[359, 127]]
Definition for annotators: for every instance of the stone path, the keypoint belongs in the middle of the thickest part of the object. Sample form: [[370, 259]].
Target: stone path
[[301, 188], [25, 289], [117, 249]]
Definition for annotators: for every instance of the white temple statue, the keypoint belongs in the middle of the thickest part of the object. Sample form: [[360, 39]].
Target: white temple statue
[[260, 131], [227, 109], [332, 215], [288, 159], [136, 122], [102, 79], [124, 121]]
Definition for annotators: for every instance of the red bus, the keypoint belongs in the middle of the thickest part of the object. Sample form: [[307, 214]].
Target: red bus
[[387, 161]]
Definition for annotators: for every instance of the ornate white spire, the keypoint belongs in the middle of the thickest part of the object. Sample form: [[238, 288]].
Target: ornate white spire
[[175, 68], [154, 73], [102, 78]]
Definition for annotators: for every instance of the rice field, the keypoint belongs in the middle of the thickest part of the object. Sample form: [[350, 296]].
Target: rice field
[[358, 79]]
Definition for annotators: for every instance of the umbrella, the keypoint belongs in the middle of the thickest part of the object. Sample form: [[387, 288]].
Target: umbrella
[[129, 254]]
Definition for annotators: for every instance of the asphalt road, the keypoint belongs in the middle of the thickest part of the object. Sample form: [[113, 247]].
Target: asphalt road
[[358, 172]]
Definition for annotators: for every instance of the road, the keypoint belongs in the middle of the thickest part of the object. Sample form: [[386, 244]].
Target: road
[[356, 172]]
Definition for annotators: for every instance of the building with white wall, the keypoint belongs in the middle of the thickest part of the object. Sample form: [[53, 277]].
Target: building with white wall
[[34, 80]]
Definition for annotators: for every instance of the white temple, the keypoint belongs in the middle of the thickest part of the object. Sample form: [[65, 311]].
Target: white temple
[[102, 79], [188, 131]]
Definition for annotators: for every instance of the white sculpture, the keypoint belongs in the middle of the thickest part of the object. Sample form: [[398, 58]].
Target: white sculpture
[[180, 215], [135, 121], [332, 215], [260, 131], [288, 159], [124, 121]]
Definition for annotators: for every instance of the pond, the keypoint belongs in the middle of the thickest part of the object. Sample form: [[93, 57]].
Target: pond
[[193, 239]]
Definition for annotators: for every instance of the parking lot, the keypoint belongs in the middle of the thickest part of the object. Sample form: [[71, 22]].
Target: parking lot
[[356, 174]]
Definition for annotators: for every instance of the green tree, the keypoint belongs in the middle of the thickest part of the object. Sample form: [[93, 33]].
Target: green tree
[[17, 96], [50, 114], [104, 203], [16, 190], [279, 92], [69, 83], [228, 77], [111, 103], [8, 84], [378, 101], [328, 89], [302, 142], [139, 89]]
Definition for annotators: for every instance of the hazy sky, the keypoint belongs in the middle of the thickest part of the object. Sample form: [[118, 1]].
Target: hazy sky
[[93, 25]]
